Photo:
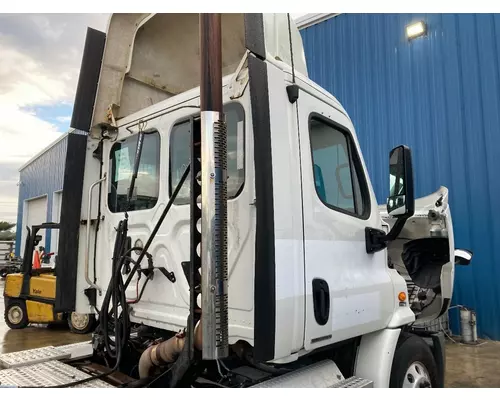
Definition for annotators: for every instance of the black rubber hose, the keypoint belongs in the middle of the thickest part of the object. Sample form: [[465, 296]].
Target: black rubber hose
[[116, 289]]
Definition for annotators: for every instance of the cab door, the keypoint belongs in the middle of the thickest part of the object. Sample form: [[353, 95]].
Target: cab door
[[348, 292]]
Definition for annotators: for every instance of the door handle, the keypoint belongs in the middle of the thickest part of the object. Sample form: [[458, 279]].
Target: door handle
[[321, 301]]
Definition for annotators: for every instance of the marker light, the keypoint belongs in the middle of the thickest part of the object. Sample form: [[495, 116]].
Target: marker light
[[415, 30], [402, 296]]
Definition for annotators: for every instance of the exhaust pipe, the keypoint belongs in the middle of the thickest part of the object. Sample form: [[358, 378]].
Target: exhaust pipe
[[211, 333], [214, 316], [166, 352]]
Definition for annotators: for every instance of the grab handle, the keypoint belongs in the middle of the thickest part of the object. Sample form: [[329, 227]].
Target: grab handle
[[87, 242]]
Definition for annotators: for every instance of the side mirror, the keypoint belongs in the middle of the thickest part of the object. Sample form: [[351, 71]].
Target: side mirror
[[401, 201], [463, 257]]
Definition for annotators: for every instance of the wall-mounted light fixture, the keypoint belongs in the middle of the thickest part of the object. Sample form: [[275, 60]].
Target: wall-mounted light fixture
[[416, 30]]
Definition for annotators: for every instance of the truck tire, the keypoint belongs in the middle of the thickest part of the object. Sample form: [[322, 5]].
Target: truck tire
[[15, 315], [413, 365], [81, 323]]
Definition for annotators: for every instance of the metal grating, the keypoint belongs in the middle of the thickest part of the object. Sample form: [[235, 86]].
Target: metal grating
[[353, 382], [47, 374], [33, 356]]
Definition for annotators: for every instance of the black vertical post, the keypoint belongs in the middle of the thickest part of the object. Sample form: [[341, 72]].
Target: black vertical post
[[74, 169], [88, 80]]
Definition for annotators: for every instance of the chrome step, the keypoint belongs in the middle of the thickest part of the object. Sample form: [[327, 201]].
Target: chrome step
[[47, 374], [353, 382], [322, 374]]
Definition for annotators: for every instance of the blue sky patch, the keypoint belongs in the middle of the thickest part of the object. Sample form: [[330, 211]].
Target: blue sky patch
[[58, 114]]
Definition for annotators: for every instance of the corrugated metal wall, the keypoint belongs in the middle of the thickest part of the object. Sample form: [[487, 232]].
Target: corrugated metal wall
[[43, 176], [439, 94]]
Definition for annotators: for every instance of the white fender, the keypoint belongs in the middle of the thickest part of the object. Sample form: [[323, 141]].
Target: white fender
[[375, 355]]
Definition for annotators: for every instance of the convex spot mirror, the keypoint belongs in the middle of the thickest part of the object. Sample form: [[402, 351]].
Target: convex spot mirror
[[401, 201]]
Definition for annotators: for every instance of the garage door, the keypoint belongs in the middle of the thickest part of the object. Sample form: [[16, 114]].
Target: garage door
[[35, 213]]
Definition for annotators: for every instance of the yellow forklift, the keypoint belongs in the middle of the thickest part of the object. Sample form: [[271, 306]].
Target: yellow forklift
[[30, 295]]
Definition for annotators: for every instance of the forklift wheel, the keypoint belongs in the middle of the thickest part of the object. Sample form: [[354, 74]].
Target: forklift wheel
[[81, 323], [15, 314]]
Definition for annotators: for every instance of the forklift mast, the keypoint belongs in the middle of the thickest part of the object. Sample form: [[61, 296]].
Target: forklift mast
[[32, 240]]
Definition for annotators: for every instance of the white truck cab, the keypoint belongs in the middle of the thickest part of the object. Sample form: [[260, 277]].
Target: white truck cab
[[319, 276]]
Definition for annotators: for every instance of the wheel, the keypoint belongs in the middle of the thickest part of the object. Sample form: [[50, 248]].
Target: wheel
[[15, 314], [413, 365], [81, 323]]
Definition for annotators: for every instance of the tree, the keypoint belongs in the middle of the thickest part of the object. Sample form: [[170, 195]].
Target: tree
[[5, 231]]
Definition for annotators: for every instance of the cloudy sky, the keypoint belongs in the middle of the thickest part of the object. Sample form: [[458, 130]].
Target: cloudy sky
[[39, 65]]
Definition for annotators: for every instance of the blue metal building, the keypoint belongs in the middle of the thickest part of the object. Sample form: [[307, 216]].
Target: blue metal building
[[40, 193], [439, 94]]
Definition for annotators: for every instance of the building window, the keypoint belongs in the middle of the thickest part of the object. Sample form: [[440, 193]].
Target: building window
[[146, 188], [180, 153], [336, 174]]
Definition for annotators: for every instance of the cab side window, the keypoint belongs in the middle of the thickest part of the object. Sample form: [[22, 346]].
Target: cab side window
[[336, 168], [146, 189], [180, 152]]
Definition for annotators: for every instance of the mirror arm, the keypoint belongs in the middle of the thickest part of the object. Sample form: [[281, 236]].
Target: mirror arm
[[396, 229], [377, 239]]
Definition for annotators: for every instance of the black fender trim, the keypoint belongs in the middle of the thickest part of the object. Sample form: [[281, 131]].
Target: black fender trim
[[437, 344], [439, 352], [264, 285], [444, 308]]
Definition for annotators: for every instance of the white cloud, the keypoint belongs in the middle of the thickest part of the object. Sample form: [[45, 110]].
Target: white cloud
[[64, 119], [39, 66], [22, 136], [25, 81]]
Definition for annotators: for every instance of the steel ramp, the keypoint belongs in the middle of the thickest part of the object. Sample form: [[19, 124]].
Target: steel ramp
[[47, 374], [33, 356], [42, 354]]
